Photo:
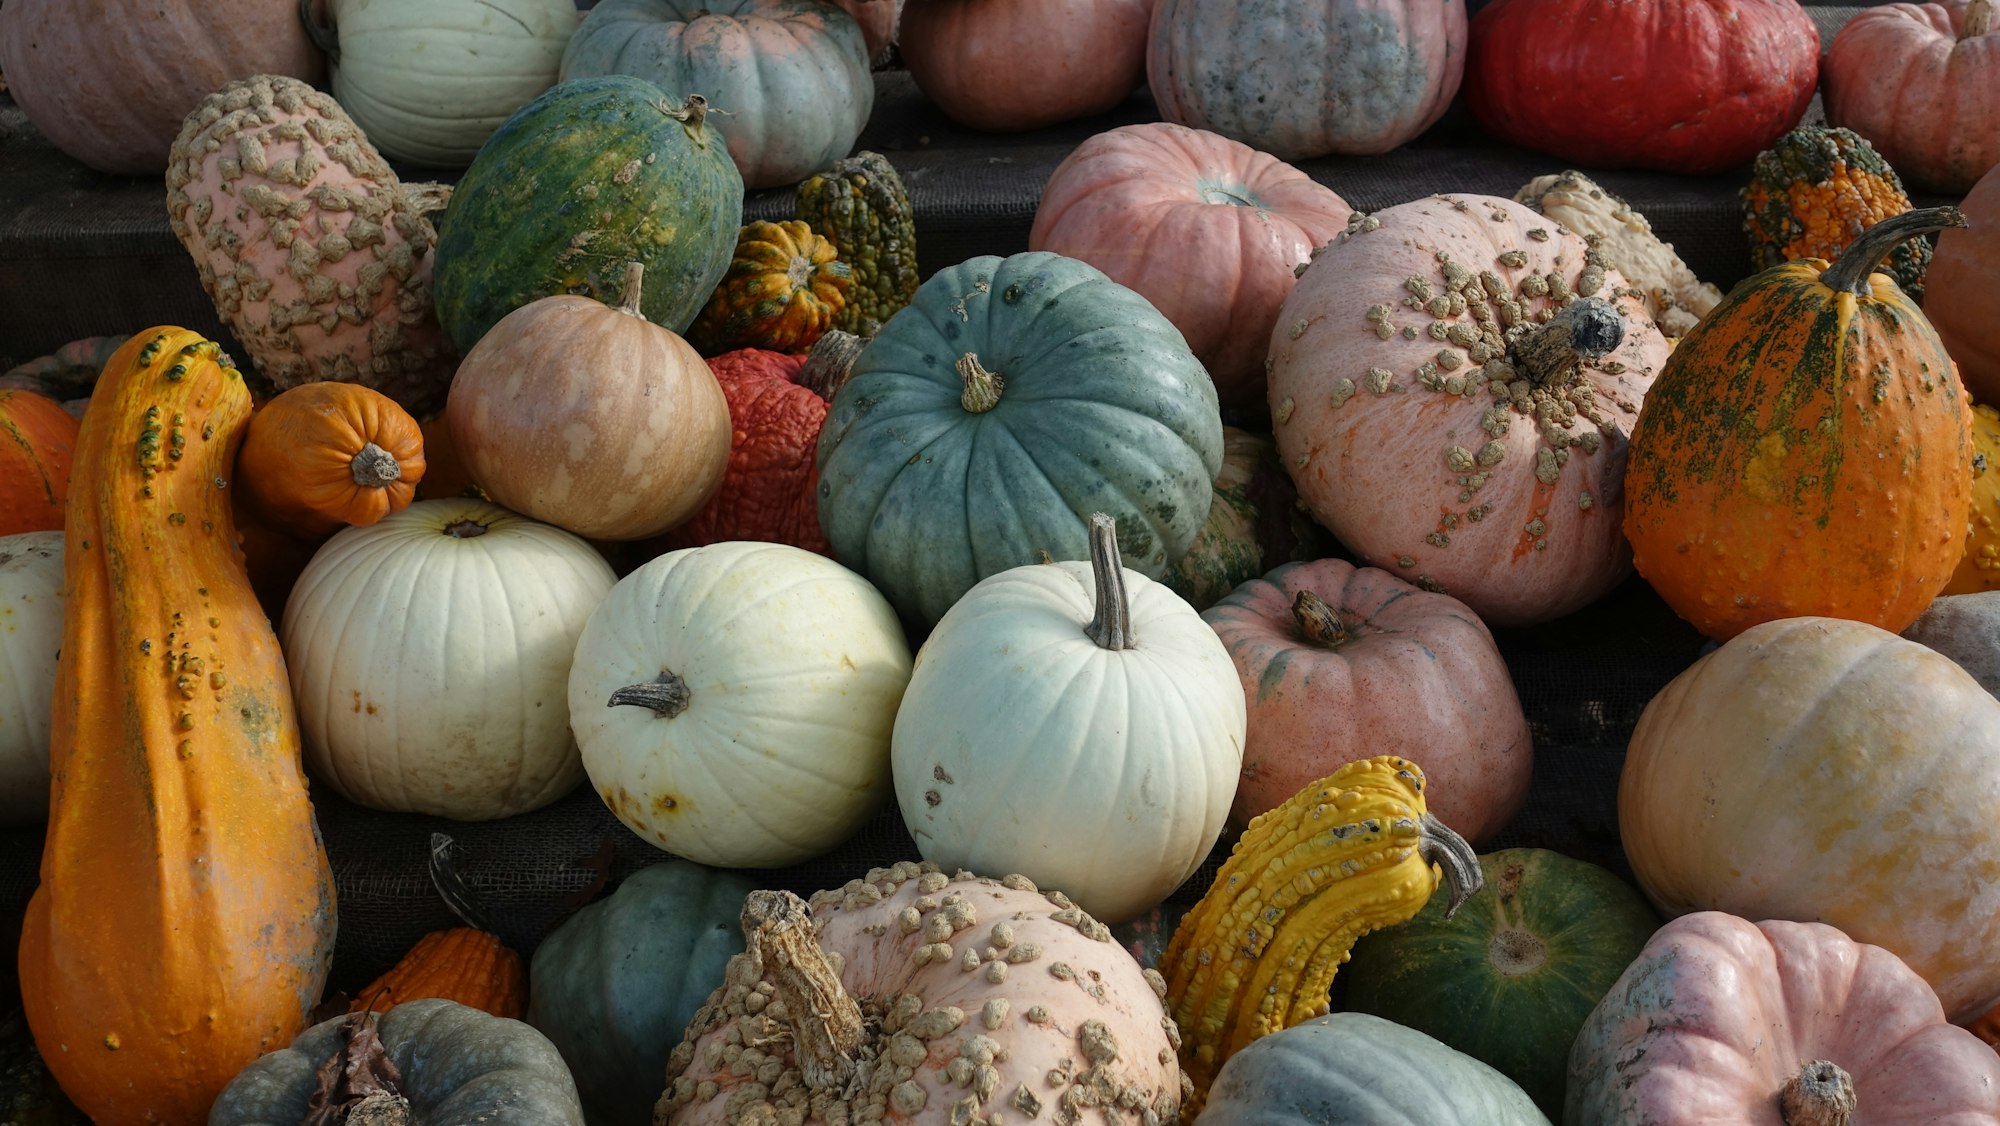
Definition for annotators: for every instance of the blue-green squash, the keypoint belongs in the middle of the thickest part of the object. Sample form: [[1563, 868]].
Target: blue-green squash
[[590, 176], [992, 416]]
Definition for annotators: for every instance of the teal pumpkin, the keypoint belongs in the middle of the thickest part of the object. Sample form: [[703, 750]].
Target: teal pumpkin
[[1352, 1069], [1511, 977], [991, 417], [591, 176], [616, 985], [793, 75]]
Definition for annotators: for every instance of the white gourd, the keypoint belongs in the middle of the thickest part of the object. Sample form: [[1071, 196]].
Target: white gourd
[[31, 582]]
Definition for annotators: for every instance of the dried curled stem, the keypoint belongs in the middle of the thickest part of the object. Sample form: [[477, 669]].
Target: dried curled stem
[[1586, 329], [982, 387], [374, 467], [827, 1030], [1318, 622], [1111, 624], [830, 363], [1849, 273], [1821, 1094], [666, 694]]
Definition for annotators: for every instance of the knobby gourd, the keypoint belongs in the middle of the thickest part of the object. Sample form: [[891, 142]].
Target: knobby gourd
[[784, 288]]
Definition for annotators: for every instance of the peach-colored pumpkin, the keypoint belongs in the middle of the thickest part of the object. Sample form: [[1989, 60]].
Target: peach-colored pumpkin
[[1388, 404], [1008, 65], [1379, 667], [1958, 290], [1922, 83], [1208, 229]]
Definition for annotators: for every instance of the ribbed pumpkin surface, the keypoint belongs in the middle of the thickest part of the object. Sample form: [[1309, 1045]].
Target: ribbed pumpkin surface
[[463, 964]]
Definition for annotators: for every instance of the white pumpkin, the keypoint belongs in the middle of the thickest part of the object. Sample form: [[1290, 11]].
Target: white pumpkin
[[31, 581], [429, 656], [733, 702], [1076, 723], [429, 82]]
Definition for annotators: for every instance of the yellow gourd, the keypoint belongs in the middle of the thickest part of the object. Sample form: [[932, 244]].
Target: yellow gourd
[[1979, 568]]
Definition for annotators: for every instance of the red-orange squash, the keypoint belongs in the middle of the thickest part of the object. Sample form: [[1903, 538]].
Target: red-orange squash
[[322, 456], [37, 441], [1922, 83], [468, 964], [1009, 65], [1964, 273]]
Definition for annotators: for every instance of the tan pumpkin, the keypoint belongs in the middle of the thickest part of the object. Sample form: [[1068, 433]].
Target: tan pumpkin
[[325, 455], [591, 417], [1921, 81], [1964, 272], [1010, 65]]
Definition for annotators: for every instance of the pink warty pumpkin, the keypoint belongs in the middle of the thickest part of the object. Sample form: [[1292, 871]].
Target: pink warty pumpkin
[[1008, 65], [1208, 229], [1922, 83]]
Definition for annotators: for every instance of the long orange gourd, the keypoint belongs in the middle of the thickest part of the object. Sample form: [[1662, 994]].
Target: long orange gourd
[[184, 922]]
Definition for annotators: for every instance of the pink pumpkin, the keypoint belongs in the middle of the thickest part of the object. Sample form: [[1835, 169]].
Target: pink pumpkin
[[1208, 229], [1922, 83], [1962, 274], [1721, 1021], [1341, 663], [1009, 65]]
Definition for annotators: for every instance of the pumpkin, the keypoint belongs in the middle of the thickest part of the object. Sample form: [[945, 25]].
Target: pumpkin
[[1451, 385], [429, 83], [31, 629], [1077, 723], [274, 559], [1339, 663], [1966, 628], [1979, 566], [1675, 297], [792, 74], [1919, 82], [733, 702], [612, 164], [429, 653], [1062, 59], [445, 474], [468, 964], [424, 1058], [878, 20], [1350, 853], [1724, 1020], [109, 86], [1254, 524], [983, 996], [1207, 229], [1960, 272], [37, 443], [1509, 980], [615, 986], [862, 207], [782, 291], [1307, 78], [1353, 1069], [1686, 86], [172, 721], [1839, 485], [325, 455], [1823, 769], [590, 417], [67, 374], [1814, 191], [987, 421]]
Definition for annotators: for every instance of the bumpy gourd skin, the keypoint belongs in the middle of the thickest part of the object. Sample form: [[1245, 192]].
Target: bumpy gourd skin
[[782, 291], [861, 205], [1814, 190]]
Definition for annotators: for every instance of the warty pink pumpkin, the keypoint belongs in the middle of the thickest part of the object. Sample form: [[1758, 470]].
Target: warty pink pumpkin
[[1922, 83], [1208, 229], [1009, 65]]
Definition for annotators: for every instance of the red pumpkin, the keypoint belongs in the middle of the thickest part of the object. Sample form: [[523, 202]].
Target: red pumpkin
[[1922, 83], [1963, 274], [1675, 85], [1341, 663], [1009, 65], [1208, 229], [36, 440]]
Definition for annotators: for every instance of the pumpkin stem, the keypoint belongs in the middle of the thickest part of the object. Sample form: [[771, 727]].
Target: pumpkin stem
[[321, 34], [383, 1108], [1584, 330], [374, 467], [425, 198], [1439, 845], [830, 363], [1978, 19], [1111, 625], [1849, 272], [779, 936], [691, 114], [634, 272], [1821, 1094], [666, 694], [1318, 622], [465, 529], [982, 387], [452, 889]]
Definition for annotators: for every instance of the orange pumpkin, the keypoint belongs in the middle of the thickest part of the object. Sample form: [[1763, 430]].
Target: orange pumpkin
[[1807, 450], [321, 456], [468, 964], [1979, 565], [36, 440]]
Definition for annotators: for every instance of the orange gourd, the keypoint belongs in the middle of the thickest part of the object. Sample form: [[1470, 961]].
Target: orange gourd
[[184, 923], [1979, 566], [324, 455], [468, 964], [37, 438]]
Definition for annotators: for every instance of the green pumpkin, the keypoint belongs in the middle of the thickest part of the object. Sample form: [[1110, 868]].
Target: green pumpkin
[[1352, 1069], [991, 417], [861, 205], [1254, 525], [616, 985], [1510, 978], [593, 175]]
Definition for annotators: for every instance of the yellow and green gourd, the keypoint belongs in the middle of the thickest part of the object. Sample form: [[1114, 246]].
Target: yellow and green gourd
[[860, 205]]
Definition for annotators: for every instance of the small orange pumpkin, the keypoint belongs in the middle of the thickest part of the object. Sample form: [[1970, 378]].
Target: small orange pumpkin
[[468, 964], [321, 456], [36, 439]]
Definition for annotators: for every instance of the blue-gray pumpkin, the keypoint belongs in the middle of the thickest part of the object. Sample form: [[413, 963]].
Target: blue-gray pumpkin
[[989, 419]]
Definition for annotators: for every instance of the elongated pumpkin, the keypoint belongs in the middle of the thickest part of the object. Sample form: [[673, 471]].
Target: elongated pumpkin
[[184, 922], [322, 456]]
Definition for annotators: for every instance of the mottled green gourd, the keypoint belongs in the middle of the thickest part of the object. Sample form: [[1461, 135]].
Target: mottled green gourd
[[1814, 191], [860, 204]]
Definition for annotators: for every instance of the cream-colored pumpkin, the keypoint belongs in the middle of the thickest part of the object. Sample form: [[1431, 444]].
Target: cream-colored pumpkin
[[1027, 744], [429, 656], [31, 583], [733, 702]]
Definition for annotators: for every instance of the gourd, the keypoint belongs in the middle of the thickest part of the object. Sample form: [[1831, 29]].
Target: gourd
[[1254, 524], [1077, 723], [1208, 229], [1965, 628], [1339, 663], [1823, 769], [37, 445], [733, 702], [172, 720], [429, 653], [1063, 59], [1814, 191], [1453, 401], [793, 74], [1979, 566], [861, 205], [782, 291], [1307, 78], [986, 422], [316, 256], [1674, 296], [1843, 485], [66, 375], [590, 417], [1917, 81], [1350, 853], [1961, 271], [986, 996], [468, 964], [31, 630], [322, 456]]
